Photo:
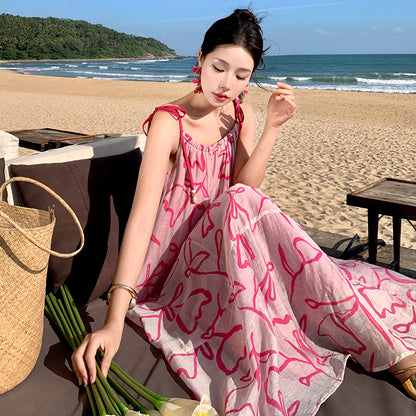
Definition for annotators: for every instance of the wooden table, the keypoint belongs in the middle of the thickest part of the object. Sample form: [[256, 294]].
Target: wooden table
[[46, 138], [392, 197]]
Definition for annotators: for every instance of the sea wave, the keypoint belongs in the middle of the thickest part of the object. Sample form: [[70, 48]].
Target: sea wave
[[406, 74], [278, 78], [28, 70], [372, 73], [301, 78], [149, 61], [397, 89], [387, 81], [117, 74]]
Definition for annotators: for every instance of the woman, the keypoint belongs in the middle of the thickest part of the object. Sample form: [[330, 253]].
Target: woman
[[245, 306]]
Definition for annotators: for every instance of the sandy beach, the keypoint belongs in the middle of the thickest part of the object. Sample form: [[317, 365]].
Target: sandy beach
[[338, 141]]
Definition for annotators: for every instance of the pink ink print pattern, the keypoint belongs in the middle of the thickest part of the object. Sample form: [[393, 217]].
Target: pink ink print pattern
[[247, 308]]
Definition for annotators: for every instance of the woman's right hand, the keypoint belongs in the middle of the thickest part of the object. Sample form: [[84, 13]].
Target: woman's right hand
[[107, 339], [282, 105]]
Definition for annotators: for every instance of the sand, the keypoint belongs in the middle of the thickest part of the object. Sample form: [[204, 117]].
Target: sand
[[337, 142]]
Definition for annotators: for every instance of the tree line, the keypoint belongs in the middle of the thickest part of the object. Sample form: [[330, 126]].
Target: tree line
[[53, 38]]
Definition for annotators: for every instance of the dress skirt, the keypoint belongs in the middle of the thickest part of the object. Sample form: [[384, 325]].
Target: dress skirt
[[253, 313]]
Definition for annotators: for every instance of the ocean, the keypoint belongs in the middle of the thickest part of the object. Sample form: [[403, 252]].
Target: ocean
[[395, 73]]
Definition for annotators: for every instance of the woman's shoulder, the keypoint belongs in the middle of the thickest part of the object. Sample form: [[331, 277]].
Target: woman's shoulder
[[165, 113], [162, 129], [247, 107], [165, 118]]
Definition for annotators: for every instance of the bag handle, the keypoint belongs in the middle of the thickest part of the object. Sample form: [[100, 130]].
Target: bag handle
[[28, 236]]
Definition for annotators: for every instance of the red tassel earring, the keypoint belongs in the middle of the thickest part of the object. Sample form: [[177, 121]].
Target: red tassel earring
[[197, 80], [242, 95]]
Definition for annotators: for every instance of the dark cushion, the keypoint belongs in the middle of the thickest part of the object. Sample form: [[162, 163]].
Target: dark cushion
[[4, 196], [100, 191]]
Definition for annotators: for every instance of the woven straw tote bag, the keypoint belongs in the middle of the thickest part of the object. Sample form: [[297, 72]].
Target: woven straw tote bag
[[25, 241]]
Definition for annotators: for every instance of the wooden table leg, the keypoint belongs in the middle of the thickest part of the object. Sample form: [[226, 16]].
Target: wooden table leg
[[372, 235], [397, 228]]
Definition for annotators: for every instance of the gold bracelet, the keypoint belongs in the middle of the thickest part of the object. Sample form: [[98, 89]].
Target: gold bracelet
[[129, 289]]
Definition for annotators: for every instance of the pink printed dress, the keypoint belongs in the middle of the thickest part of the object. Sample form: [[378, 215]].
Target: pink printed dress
[[246, 307]]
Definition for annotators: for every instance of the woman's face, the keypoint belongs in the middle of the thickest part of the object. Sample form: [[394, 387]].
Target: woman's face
[[225, 73]]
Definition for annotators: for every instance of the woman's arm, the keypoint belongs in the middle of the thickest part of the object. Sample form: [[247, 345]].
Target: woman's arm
[[162, 141], [250, 159]]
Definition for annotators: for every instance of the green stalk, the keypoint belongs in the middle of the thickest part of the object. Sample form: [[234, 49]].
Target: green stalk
[[110, 391], [70, 309], [91, 401], [50, 310], [155, 399], [115, 405], [110, 409], [123, 392], [98, 400], [59, 320], [47, 311], [64, 323], [52, 315], [64, 289], [68, 322]]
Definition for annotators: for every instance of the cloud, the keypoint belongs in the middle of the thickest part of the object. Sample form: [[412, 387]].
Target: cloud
[[398, 29], [374, 28], [322, 32]]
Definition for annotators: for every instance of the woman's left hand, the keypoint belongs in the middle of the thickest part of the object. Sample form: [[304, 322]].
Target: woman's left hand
[[281, 106]]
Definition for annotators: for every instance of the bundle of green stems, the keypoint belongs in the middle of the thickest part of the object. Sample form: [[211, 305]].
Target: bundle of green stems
[[103, 393]]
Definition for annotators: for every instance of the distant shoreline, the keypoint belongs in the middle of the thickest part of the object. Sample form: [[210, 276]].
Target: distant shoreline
[[146, 57], [365, 73], [141, 58]]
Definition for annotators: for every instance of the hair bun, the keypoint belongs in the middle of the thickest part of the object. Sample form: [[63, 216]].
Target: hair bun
[[245, 14]]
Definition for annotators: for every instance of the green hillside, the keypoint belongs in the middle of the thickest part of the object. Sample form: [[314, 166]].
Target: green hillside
[[53, 38]]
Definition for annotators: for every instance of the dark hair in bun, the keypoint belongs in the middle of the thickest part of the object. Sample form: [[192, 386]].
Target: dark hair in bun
[[240, 28]]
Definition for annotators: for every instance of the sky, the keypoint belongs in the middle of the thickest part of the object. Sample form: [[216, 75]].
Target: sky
[[290, 27]]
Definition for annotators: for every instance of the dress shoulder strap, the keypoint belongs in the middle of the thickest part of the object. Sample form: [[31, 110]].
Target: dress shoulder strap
[[175, 110]]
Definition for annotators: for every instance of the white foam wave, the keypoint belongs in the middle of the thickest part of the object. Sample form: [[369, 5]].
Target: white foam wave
[[406, 74], [398, 89], [150, 61], [363, 88], [301, 78], [267, 85], [386, 81], [119, 76], [29, 70]]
